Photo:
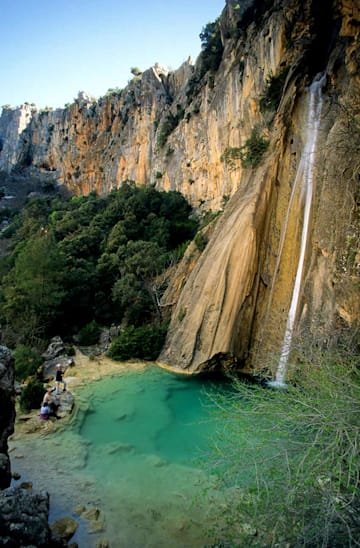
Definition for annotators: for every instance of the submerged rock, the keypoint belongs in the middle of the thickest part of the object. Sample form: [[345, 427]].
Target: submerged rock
[[94, 516], [63, 529], [119, 447], [155, 460], [102, 544]]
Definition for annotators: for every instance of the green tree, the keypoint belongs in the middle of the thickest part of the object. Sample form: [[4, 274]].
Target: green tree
[[143, 342], [32, 290], [212, 47], [134, 291], [90, 258], [27, 362], [134, 302], [89, 334], [135, 71], [273, 92], [31, 396]]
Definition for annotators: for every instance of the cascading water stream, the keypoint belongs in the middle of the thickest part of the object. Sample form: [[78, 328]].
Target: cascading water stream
[[305, 173]]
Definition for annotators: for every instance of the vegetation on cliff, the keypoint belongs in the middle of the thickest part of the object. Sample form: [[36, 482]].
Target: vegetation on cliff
[[250, 153], [82, 262], [209, 59]]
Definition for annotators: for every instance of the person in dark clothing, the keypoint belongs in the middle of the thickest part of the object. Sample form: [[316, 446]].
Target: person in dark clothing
[[59, 379]]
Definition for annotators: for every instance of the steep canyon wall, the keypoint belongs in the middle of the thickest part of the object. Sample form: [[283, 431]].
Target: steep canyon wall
[[232, 307]]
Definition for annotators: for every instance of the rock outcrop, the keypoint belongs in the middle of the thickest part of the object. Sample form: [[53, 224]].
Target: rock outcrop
[[55, 354], [199, 130], [23, 512], [7, 415], [13, 122], [23, 518]]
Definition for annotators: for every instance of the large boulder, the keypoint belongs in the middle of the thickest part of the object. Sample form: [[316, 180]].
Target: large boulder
[[55, 349], [55, 354], [24, 518], [66, 404], [7, 414]]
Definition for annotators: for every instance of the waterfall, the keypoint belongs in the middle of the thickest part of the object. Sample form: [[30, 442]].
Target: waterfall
[[305, 173]]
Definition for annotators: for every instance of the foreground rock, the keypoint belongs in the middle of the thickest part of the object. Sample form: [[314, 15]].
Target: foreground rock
[[24, 518], [67, 401], [23, 513], [7, 414]]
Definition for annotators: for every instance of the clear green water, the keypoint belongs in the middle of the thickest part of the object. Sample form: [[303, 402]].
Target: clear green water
[[153, 412], [134, 450]]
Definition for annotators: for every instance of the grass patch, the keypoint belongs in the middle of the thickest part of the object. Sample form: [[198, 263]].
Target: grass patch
[[297, 482]]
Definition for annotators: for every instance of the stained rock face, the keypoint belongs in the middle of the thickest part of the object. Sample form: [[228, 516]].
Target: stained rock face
[[7, 415], [233, 308], [211, 317]]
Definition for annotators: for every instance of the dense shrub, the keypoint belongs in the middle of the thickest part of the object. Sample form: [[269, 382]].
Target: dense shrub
[[209, 59], [169, 124], [70, 350], [89, 334], [274, 89], [200, 241], [27, 362], [254, 149], [211, 46], [230, 156], [31, 396], [250, 154], [139, 342], [5, 213]]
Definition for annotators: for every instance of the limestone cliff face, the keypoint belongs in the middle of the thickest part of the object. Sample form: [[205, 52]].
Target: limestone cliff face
[[188, 131], [97, 145], [12, 124], [234, 306]]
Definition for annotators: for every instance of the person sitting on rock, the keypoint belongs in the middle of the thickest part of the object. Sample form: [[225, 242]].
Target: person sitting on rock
[[44, 411], [59, 379], [48, 397], [52, 401]]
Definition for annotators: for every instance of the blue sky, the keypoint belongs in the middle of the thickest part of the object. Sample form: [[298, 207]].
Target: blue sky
[[51, 49]]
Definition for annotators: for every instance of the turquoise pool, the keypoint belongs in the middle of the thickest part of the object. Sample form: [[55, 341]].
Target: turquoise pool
[[134, 450]]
